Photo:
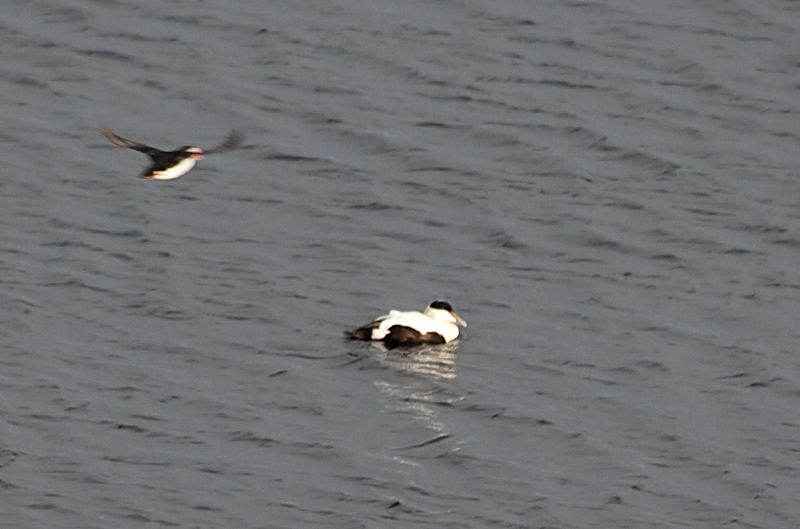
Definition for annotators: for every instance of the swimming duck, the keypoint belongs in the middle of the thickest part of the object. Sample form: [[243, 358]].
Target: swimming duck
[[436, 325]]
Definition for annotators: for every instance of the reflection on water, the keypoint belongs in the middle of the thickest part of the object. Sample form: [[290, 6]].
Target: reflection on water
[[420, 393], [433, 361]]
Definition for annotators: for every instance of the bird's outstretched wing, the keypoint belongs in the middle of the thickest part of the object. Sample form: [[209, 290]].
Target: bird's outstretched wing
[[232, 141], [128, 144]]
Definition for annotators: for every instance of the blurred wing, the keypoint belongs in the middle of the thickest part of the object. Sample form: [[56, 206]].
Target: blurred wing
[[230, 142], [128, 144]]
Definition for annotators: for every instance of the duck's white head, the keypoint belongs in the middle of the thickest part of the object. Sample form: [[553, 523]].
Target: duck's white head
[[443, 311]]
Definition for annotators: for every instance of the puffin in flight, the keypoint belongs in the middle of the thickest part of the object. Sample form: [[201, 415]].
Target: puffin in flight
[[168, 165], [438, 324]]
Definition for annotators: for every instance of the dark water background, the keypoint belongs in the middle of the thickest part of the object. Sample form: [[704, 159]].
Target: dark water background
[[608, 192]]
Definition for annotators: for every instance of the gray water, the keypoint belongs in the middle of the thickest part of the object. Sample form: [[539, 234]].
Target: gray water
[[608, 192]]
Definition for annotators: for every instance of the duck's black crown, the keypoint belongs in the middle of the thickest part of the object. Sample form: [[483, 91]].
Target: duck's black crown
[[442, 305]]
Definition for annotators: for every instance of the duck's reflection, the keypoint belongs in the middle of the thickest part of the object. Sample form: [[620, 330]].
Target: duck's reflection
[[430, 361], [422, 391]]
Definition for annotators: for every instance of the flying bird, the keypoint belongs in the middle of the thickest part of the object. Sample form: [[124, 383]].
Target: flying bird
[[168, 165], [438, 324]]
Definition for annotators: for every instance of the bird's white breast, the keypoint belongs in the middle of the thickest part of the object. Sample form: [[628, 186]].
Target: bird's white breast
[[179, 169]]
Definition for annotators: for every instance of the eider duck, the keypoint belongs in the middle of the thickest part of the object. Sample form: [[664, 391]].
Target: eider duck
[[438, 324], [168, 165]]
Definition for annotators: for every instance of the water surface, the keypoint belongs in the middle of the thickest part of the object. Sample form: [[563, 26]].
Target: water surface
[[606, 191]]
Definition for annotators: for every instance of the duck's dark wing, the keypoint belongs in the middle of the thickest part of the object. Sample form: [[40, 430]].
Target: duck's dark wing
[[129, 144], [232, 141], [400, 335]]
